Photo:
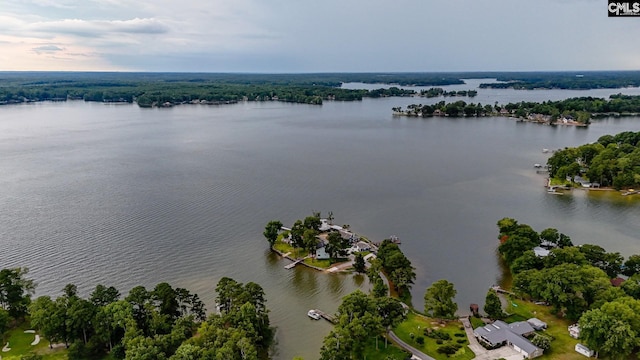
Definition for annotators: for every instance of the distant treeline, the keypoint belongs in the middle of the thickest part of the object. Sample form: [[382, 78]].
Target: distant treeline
[[566, 80], [579, 110], [166, 89], [159, 91]]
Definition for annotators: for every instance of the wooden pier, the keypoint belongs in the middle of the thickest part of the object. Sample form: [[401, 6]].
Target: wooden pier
[[293, 264], [500, 290], [324, 315]]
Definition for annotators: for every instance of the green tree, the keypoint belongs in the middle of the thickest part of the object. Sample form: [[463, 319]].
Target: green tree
[[15, 291], [568, 255], [46, 317], [631, 266], [297, 234], [336, 246], [103, 295], [271, 231], [493, 306], [312, 222], [514, 246], [4, 322], [358, 264], [438, 300], [541, 341], [165, 298], [550, 235], [611, 329], [310, 239]]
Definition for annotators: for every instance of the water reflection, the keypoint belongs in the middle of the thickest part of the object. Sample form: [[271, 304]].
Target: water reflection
[[358, 279]]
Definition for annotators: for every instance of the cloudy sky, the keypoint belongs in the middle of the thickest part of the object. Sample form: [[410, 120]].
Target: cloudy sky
[[315, 36]]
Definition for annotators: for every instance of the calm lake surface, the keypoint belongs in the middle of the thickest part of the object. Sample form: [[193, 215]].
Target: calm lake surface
[[124, 196]]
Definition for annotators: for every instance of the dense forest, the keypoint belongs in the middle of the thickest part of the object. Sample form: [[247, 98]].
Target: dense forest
[[576, 281], [565, 80], [613, 160], [162, 323], [168, 89]]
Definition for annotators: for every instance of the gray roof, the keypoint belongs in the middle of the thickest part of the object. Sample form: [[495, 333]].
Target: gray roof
[[499, 332], [522, 343], [537, 322], [521, 327]]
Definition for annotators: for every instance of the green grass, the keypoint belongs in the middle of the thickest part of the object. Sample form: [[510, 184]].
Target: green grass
[[20, 344], [559, 181], [383, 352], [476, 322], [324, 264], [563, 345], [415, 324]]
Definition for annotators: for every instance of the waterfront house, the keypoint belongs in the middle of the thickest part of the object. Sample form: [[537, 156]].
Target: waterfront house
[[321, 254], [513, 335]]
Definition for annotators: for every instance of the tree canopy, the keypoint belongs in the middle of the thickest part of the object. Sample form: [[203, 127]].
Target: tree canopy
[[438, 300]]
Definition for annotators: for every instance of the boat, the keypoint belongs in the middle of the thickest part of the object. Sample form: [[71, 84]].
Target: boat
[[537, 166], [545, 150], [313, 314], [630, 192]]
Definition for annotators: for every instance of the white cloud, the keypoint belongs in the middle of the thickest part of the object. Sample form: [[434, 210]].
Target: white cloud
[[332, 35], [94, 28]]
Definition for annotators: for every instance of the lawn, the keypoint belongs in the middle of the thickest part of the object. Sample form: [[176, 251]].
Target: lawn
[[20, 344], [476, 322], [563, 345], [324, 264], [416, 324], [382, 352]]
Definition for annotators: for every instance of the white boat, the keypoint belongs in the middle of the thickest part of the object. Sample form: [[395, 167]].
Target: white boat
[[313, 314], [545, 150]]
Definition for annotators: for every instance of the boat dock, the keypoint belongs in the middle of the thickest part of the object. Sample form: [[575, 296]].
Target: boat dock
[[500, 290], [293, 264], [324, 315]]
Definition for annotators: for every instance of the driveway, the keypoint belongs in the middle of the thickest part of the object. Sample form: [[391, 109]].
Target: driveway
[[417, 354]]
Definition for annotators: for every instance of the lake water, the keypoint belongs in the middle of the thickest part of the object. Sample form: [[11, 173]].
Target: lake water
[[124, 196]]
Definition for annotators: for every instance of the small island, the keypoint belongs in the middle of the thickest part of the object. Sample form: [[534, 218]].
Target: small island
[[320, 244]]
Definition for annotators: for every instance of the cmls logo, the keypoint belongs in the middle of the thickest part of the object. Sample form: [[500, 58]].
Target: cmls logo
[[624, 8]]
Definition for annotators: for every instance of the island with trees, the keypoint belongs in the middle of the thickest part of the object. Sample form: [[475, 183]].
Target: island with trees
[[436, 92], [574, 111], [612, 161]]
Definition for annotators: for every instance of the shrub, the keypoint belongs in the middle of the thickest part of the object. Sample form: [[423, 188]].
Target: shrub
[[439, 334], [461, 341], [448, 349], [439, 342], [460, 334], [420, 340]]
